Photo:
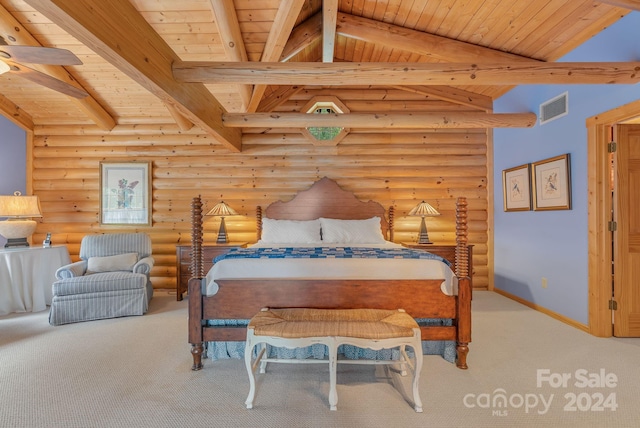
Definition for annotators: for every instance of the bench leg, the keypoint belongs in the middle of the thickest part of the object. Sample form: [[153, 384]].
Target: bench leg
[[417, 350], [248, 350], [333, 363]]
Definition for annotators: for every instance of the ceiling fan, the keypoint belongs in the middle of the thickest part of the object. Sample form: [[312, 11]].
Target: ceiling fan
[[12, 57]]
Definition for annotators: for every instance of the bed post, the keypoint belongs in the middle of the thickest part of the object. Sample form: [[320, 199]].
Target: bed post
[[196, 238], [391, 216], [195, 285], [258, 223], [464, 284]]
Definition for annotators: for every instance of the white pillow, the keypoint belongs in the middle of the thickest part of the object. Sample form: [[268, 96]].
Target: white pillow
[[367, 231], [290, 231], [118, 262]]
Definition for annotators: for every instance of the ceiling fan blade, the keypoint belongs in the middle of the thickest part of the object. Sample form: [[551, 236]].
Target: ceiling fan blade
[[47, 81], [39, 55]]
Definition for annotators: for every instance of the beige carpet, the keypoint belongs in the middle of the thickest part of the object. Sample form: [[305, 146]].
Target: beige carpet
[[135, 372]]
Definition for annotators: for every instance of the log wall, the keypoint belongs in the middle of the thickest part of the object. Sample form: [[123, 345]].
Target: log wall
[[393, 168]]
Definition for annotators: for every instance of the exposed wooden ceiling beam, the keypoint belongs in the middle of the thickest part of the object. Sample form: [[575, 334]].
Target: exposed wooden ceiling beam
[[303, 35], [12, 30], [106, 26], [380, 120], [278, 97], [281, 29], [372, 31], [625, 4], [329, 19], [429, 45], [377, 74], [454, 95], [226, 18], [181, 120], [15, 114]]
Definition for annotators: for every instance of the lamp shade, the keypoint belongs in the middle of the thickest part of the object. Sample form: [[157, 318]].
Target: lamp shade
[[423, 209], [18, 206], [221, 210]]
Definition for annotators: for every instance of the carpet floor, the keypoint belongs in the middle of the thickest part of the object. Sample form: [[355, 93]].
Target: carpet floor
[[525, 369]]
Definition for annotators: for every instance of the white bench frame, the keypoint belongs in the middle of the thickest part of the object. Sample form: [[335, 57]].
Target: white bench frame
[[332, 343]]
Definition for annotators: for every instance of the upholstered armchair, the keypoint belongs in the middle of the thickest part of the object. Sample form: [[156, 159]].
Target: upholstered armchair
[[110, 280]]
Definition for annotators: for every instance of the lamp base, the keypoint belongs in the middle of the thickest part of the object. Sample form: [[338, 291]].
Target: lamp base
[[17, 231], [16, 242], [222, 233], [423, 237]]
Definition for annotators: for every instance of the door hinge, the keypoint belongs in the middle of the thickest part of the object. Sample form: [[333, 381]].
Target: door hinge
[[613, 305], [611, 147], [613, 226]]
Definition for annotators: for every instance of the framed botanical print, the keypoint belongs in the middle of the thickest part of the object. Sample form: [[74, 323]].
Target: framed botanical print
[[517, 188], [125, 193], [551, 180]]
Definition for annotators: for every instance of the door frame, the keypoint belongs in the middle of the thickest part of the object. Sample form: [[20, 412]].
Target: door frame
[[599, 206]]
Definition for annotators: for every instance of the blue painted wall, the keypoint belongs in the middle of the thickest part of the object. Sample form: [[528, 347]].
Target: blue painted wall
[[530, 245], [13, 163]]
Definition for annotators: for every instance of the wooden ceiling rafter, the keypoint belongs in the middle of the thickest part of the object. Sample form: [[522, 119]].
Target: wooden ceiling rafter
[[392, 74], [180, 119], [428, 45], [278, 97], [453, 95], [302, 36], [281, 29], [15, 114], [104, 27], [226, 20], [625, 4], [12, 30]]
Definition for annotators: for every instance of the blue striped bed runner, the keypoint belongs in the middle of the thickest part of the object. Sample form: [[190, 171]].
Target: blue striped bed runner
[[327, 253]]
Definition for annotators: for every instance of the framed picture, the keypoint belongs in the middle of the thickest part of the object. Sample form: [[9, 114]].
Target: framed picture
[[517, 188], [125, 193], [552, 183]]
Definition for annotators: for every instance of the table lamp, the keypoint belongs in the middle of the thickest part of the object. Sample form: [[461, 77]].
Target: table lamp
[[18, 226], [423, 210], [222, 210]]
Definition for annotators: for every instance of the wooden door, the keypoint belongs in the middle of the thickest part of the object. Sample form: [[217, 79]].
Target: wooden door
[[626, 249]]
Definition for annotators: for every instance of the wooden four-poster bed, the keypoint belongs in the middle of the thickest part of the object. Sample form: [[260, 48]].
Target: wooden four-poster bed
[[241, 295]]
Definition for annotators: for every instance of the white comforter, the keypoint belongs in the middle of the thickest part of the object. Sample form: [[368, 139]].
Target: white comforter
[[333, 268]]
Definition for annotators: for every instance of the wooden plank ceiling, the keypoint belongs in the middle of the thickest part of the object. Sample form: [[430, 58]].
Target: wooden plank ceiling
[[161, 61]]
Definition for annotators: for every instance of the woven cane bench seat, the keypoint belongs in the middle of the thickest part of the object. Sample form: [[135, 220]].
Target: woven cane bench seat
[[365, 328]]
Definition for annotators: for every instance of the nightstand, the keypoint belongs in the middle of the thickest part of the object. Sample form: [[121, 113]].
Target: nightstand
[[446, 252], [183, 262]]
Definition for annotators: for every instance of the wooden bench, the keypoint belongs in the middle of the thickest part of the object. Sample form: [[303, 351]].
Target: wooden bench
[[365, 328]]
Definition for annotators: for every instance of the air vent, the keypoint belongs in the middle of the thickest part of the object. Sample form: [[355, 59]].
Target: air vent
[[554, 108]]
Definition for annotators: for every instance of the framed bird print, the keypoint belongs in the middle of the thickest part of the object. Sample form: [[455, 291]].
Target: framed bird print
[[551, 180], [517, 188]]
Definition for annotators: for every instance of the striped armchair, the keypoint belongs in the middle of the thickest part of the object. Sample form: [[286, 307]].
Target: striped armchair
[[110, 280]]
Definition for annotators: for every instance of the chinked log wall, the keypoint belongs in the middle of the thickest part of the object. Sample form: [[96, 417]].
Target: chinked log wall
[[393, 168]]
